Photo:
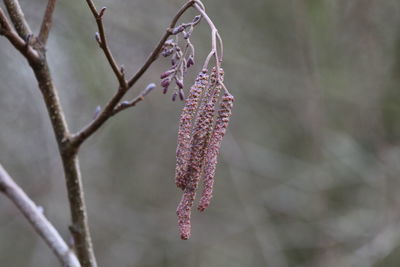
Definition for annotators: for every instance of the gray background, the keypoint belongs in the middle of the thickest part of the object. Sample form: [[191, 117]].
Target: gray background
[[309, 170]]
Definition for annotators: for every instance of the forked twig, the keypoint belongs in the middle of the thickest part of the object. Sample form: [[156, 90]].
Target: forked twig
[[102, 40], [19, 43], [108, 111], [46, 22], [18, 18]]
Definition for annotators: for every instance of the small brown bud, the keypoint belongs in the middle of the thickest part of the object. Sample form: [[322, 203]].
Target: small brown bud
[[196, 19], [165, 82], [178, 29], [190, 61], [167, 73], [174, 96]]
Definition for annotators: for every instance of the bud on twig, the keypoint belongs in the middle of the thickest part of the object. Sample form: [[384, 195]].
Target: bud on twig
[[148, 89], [96, 112], [101, 13], [174, 96], [165, 82], [167, 73], [97, 37]]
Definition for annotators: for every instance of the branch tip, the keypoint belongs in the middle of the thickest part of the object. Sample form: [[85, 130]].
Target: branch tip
[[101, 13]]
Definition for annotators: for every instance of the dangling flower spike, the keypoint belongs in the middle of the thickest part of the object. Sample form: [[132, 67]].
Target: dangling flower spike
[[201, 126]]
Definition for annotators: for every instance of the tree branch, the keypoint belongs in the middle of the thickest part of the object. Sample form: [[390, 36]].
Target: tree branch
[[20, 44], [36, 218], [102, 40], [69, 145], [18, 18], [37, 60], [108, 111], [46, 22], [127, 104], [80, 226]]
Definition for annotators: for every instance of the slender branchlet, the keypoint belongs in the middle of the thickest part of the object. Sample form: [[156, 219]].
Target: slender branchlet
[[18, 18], [46, 22]]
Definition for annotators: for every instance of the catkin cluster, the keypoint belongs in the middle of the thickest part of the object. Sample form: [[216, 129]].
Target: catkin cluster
[[200, 134]]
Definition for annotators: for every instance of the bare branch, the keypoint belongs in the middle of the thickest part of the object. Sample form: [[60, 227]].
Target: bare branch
[[127, 104], [18, 18], [153, 56], [80, 225], [102, 40], [36, 218], [108, 111], [47, 22], [20, 44]]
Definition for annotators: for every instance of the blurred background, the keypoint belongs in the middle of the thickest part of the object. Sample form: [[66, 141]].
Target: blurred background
[[309, 170]]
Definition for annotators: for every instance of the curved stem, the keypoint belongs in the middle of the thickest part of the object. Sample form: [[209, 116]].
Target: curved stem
[[36, 218], [214, 35]]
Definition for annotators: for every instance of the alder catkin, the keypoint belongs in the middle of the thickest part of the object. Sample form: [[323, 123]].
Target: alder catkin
[[214, 146], [185, 127], [198, 146]]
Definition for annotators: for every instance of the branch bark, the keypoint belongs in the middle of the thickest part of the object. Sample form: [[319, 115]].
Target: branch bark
[[69, 144], [19, 43], [80, 227], [109, 109], [46, 22], [18, 18], [36, 218], [37, 61], [102, 40]]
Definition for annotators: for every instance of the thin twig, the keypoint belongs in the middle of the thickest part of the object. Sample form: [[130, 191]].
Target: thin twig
[[36, 218], [46, 22], [18, 18], [214, 36], [127, 104], [103, 42], [108, 111], [20, 44], [153, 56]]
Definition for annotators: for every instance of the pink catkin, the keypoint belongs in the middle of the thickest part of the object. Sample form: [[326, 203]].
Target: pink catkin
[[185, 126], [198, 146], [214, 146]]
